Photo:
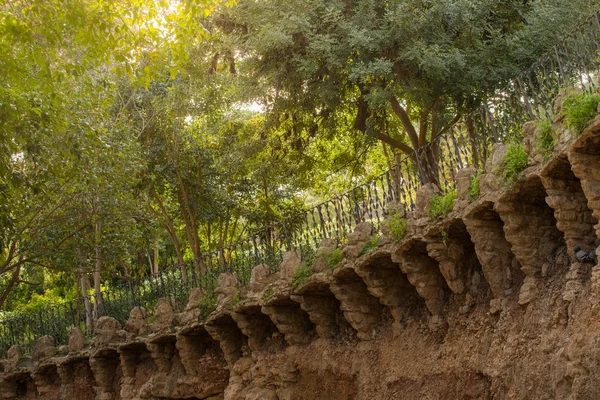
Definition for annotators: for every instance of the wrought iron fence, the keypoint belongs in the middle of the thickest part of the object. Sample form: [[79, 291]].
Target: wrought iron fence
[[572, 63]]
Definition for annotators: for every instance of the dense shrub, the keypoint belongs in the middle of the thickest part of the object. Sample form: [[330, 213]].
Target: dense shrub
[[302, 273], [515, 161], [370, 246], [398, 226], [580, 109], [334, 258], [474, 186], [442, 205], [545, 141]]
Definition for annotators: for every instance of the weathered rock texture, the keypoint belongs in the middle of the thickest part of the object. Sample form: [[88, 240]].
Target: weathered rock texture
[[486, 303]]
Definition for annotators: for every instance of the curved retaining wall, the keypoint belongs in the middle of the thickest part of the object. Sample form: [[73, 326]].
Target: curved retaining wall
[[486, 303]]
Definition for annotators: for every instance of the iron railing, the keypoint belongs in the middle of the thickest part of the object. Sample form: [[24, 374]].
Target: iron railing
[[529, 96]]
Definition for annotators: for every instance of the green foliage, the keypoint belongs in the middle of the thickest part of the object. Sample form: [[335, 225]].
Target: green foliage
[[444, 235], [514, 162], [302, 273], [208, 304], [398, 226], [370, 245], [334, 258], [545, 141], [442, 205], [235, 301], [268, 293], [474, 186], [580, 109]]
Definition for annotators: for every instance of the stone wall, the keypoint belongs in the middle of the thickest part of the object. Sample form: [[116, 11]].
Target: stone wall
[[486, 303]]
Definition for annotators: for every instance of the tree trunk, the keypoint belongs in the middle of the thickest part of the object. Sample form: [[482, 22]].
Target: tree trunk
[[89, 321], [168, 224], [13, 281], [156, 257], [190, 224], [97, 268]]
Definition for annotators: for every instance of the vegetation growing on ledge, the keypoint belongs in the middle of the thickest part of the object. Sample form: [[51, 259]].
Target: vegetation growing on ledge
[[442, 205], [302, 274], [334, 258], [580, 109], [140, 134], [514, 162], [398, 226], [545, 141], [370, 245], [474, 191]]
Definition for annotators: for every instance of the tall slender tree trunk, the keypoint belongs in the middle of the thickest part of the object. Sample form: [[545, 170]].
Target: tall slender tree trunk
[[156, 257], [170, 227], [97, 270], [85, 286], [191, 227]]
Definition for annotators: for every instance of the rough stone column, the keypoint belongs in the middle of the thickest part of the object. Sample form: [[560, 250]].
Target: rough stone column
[[162, 349], [386, 281], [492, 249], [290, 319], [324, 310], [257, 326], [132, 356], [530, 228], [47, 381], [105, 365], [452, 248], [224, 330], [584, 156], [76, 378], [423, 273], [566, 197], [360, 308]]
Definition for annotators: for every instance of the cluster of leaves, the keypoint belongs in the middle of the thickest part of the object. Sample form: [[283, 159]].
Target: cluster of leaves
[[545, 141], [334, 258], [474, 191], [398, 226], [302, 274], [442, 205], [370, 245], [514, 162], [580, 109]]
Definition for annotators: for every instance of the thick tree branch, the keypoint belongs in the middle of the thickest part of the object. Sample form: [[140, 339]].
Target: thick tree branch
[[406, 123]]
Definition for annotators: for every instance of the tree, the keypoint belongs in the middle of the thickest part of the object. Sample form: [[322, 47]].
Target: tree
[[408, 70]]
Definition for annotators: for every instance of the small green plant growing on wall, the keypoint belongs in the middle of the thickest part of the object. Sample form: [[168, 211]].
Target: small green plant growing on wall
[[370, 246], [208, 304], [235, 301], [545, 141], [474, 186], [442, 205], [334, 258], [515, 162], [268, 293], [444, 236], [302, 273], [398, 226], [579, 109]]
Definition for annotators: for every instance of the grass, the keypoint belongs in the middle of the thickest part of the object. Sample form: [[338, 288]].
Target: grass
[[370, 246], [302, 273], [334, 258], [474, 191], [580, 109], [442, 205], [515, 161], [545, 141], [398, 226]]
